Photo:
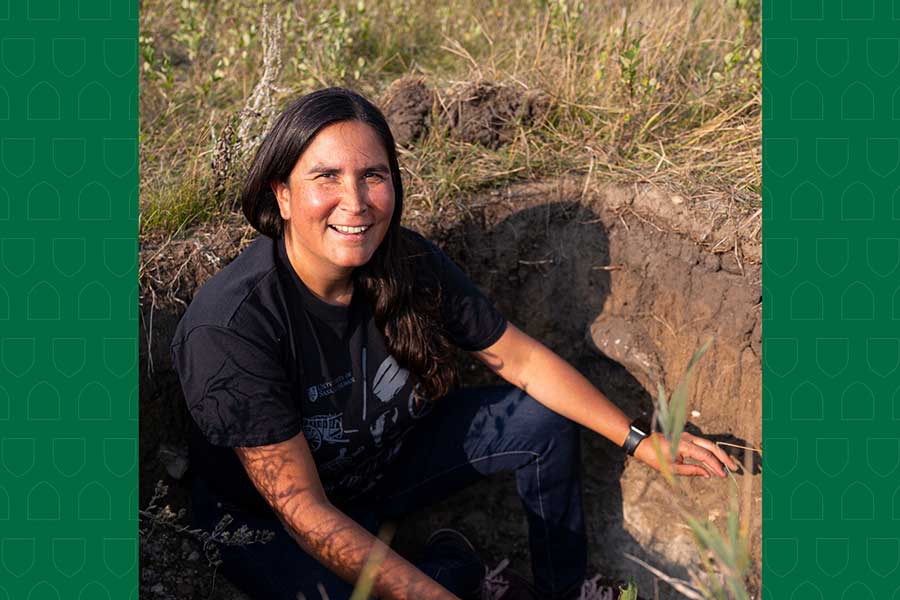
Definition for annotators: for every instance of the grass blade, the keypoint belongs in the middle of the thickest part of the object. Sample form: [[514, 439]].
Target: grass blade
[[679, 400], [630, 591], [663, 410], [379, 552]]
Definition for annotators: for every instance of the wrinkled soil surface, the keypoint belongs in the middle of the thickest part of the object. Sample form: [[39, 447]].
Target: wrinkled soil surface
[[625, 282], [480, 112], [407, 105]]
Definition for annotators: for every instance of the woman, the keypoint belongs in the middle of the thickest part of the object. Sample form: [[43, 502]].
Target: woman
[[316, 367]]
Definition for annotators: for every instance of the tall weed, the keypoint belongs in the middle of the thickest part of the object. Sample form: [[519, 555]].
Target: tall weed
[[725, 555]]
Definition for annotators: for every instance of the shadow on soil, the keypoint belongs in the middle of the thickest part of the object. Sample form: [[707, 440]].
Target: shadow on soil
[[546, 267]]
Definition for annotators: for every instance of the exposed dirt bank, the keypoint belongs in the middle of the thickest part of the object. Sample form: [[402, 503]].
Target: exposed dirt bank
[[630, 272], [625, 282]]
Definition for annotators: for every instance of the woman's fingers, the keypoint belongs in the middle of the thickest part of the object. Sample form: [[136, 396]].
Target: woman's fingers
[[692, 450], [691, 470], [715, 449]]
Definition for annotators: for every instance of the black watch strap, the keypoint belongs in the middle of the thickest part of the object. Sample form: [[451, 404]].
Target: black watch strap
[[638, 431]]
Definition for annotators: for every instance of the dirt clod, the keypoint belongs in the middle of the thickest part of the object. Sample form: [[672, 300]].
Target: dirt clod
[[487, 113], [407, 105]]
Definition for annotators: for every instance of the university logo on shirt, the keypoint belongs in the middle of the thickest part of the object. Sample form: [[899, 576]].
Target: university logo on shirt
[[328, 388]]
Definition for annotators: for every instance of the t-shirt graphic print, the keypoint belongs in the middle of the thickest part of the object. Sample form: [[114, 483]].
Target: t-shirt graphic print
[[354, 422]]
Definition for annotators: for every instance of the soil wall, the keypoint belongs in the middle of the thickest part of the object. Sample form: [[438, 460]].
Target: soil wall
[[626, 286]]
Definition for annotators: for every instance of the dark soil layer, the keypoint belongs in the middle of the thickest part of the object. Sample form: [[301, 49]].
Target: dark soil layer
[[481, 112], [625, 283]]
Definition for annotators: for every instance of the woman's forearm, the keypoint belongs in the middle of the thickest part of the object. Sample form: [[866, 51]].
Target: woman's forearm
[[342, 545], [556, 384], [560, 387], [285, 474]]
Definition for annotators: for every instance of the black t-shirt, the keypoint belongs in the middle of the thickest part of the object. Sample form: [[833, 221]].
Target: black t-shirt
[[261, 358]]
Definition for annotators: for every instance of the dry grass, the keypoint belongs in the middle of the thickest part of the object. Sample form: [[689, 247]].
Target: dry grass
[[666, 92]]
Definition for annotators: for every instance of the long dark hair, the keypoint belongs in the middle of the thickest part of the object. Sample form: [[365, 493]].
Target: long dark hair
[[410, 322]]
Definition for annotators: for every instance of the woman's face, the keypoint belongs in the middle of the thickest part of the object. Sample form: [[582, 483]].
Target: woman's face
[[338, 201]]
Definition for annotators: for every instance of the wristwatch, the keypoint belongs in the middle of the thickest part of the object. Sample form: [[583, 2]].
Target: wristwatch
[[640, 428]]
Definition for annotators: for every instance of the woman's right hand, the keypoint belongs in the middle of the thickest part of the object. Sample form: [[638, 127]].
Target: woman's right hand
[[286, 476]]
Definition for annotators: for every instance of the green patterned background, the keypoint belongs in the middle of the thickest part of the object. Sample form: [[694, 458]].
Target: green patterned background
[[831, 350], [68, 299]]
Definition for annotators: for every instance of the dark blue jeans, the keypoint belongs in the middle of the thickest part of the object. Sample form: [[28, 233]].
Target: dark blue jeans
[[470, 434]]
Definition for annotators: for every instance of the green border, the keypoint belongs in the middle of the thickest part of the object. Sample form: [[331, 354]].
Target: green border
[[68, 286], [68, 189], [831, 149]]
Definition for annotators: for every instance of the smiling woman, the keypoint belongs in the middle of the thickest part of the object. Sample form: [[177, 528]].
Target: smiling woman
[[337, 205], [317, 369]]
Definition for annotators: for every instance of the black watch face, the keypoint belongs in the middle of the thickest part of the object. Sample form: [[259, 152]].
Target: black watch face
[[642, 424]]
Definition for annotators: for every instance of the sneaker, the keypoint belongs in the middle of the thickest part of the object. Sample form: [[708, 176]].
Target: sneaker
[[450, 538], [450, 547]]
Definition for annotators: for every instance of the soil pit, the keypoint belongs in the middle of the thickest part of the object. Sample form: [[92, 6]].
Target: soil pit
[[624, 290]]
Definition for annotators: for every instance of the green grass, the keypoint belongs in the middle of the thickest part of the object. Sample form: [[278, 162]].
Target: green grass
[[666, 92], [177, 209]]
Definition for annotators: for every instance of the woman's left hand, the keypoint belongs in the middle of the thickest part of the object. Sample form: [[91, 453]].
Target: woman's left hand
[[690, 446]]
